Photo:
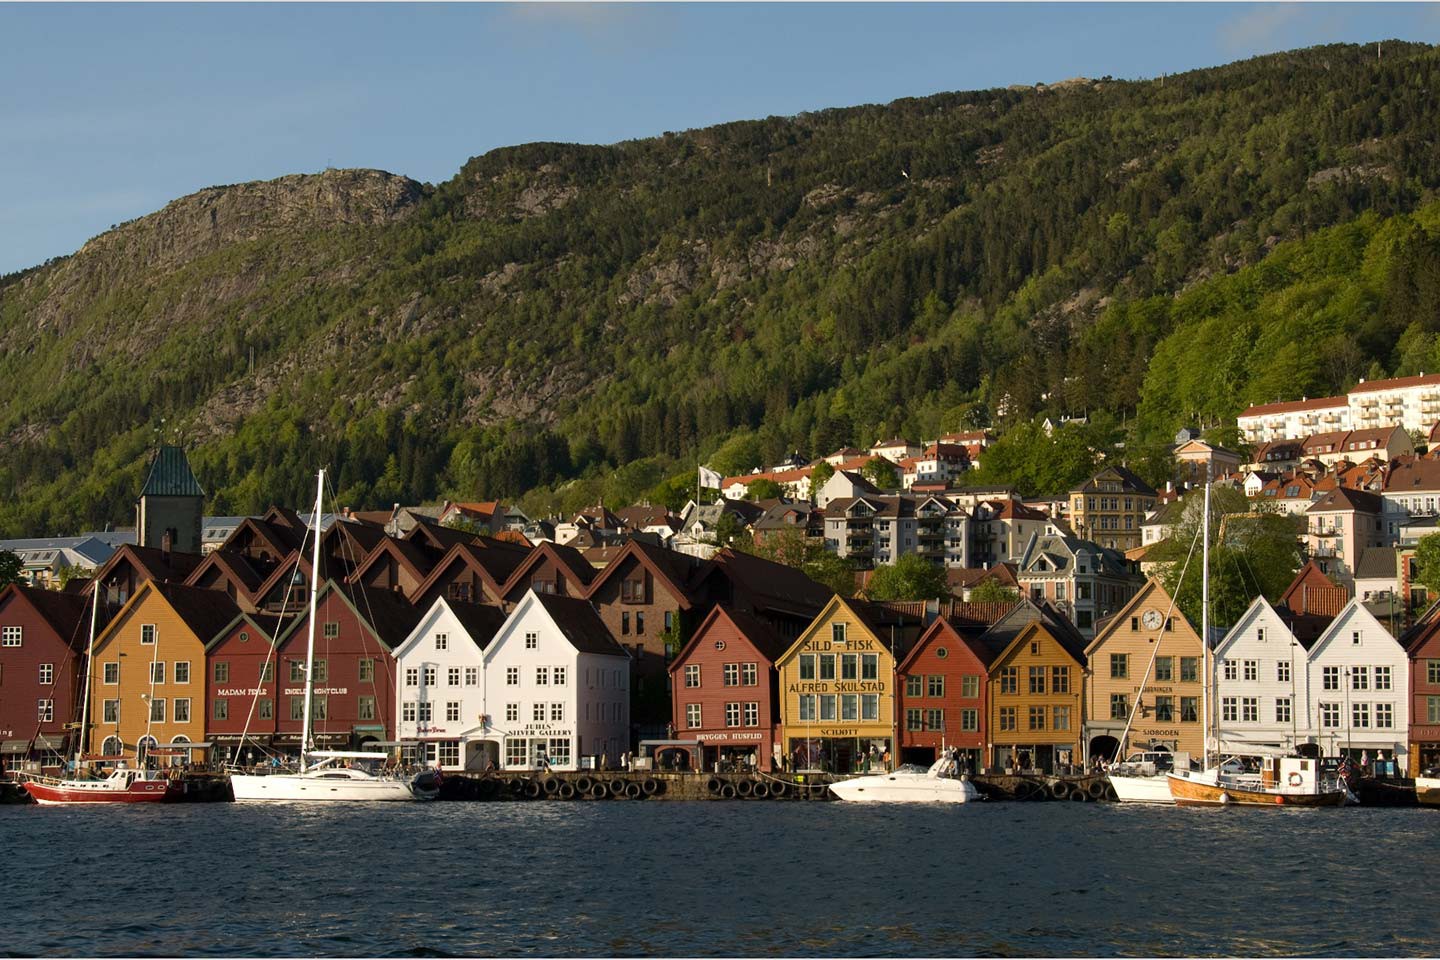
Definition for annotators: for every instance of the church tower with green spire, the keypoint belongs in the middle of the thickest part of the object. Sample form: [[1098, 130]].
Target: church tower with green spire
[[171, 505]]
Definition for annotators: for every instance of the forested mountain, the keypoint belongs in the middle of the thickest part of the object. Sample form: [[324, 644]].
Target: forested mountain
[[1149, 252]]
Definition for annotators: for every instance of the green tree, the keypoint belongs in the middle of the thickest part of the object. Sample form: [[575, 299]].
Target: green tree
[[881, 472], [1252, 553], [991, 590], [730, 532], [1427, 563], [10, 568], [763, 489], [823, 471], [911, 577], [793, 548]]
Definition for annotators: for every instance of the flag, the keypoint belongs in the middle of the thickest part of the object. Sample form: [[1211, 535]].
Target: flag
[[709, 479]]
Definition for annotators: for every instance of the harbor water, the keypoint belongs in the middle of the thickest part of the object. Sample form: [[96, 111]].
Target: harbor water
[[585, 879]]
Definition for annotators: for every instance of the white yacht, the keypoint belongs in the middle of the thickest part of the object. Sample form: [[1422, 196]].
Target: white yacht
[[320, 777], [942, 783], [1141, 778]]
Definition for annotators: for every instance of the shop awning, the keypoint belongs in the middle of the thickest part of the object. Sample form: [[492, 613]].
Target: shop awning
[[49, 741], [185, 745], [238, 737], [15, 746]]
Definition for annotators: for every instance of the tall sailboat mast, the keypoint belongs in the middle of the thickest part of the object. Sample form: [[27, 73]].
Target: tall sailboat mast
[[1205, 629], [83, 739], [310, 633]]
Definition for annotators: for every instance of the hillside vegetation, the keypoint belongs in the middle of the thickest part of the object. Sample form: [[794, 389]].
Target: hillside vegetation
[[575, 320]]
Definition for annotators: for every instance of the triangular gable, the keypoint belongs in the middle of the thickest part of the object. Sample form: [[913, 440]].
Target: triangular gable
[[642, 553], [409, 556], [279, 538], [1116, 620], [1028, 631], [1313, 592], [1354, 609], [944, 626], [270, 632], [472, 556], [1259, 608], [836, 603], [568, 559], [440, 608], [438, 536], [67, 614], [245, 580], [201, 611], [333, 586]]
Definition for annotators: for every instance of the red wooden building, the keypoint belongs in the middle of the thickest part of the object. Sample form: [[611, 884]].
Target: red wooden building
[[942, 684], [354, 675], [42, 651], [240, 689], [725, 689], [1422, 645]]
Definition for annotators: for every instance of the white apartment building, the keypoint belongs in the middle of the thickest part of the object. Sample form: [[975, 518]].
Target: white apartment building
[[1409, 402]]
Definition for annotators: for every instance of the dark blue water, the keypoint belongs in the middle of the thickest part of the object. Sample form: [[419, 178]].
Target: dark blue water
[[716, 878]]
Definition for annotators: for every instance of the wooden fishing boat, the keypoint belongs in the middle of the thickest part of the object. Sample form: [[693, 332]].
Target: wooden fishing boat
[[1283, 782], [122, 786]]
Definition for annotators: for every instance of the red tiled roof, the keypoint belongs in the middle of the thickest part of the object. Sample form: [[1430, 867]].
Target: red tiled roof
[[1294, 406], [1397, 383]]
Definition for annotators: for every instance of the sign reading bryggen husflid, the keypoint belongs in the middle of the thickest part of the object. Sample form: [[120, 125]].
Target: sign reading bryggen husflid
[[837, 684]]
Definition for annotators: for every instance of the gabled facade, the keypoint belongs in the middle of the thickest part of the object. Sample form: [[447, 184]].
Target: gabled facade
[[1035, 698], [725, 691], [646, 599], [398, 565], [354, 680], [474, 572], [440, 690], [1422, 646], [1262, 686], [941, 692], [557, 687], [42, 653], [231, 573], [837, 685], [240, 694], [148, 690], [1343, 524], [1081, 579], [549, 568], [1146, 670], [1359, 686]]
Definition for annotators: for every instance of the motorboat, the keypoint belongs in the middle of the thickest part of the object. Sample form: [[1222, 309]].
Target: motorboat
[[1282, 782], [327, 780], [941, 783]]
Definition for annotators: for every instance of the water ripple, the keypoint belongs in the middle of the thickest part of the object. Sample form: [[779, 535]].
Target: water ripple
[[715, 879]]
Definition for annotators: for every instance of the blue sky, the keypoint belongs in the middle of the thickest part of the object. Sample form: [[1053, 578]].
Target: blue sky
[[107, 112]]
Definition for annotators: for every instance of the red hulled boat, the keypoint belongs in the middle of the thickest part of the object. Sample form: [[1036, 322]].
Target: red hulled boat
[[122, 786]]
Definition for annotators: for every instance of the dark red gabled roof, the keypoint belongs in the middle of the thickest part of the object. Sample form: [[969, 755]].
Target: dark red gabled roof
[[566, 557], [763, 637], [437, 535], [677, 571], [151, 563], [67, 614]]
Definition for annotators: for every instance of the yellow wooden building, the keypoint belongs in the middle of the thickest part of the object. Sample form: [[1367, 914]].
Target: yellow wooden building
[[147, 692], [1035, 708], [1147, 654], [837, 688]]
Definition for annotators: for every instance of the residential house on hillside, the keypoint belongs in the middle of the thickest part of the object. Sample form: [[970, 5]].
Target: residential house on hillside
[[1377, 577], [1276, 456], [1195, 460], [43, 634], [597, 521], [1109, 508], [645, 518], [895, 450], [874, 530], [725, 691], [793, 482], [1081, 579], [1294, 418], [48, 562], [843, 485], [939, 463], [1342, 524], [964, 580], [483, 516], [785, 514], [999, 530], [1411, 489]]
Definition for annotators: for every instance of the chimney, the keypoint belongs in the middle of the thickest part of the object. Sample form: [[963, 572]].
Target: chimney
[[166, 543]]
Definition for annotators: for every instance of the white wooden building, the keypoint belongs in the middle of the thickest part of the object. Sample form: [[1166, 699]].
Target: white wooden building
[[1359, 680], [1261, 685], [557, 686], [440, 689]]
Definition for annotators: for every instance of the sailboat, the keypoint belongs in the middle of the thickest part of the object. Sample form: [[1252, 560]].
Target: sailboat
[[326, 775], [1283, 781], [122, 785]]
